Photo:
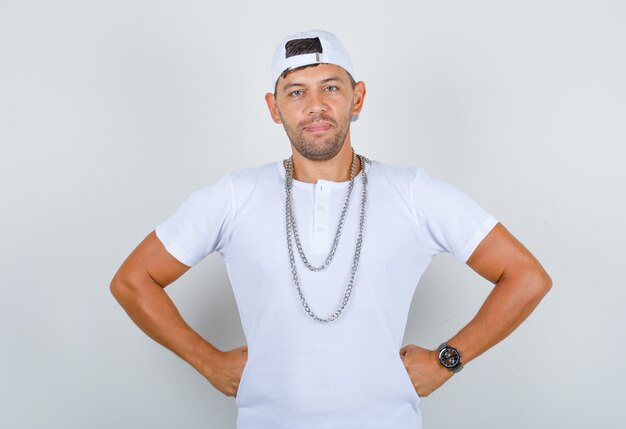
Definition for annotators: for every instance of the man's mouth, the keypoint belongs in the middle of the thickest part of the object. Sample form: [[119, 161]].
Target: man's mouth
[[317, 127]]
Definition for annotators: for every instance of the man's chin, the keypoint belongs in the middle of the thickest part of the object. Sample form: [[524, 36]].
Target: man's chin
[[318, 155]]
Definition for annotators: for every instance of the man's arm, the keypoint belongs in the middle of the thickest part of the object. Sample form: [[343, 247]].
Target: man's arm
[[138, 287], [520, 284]]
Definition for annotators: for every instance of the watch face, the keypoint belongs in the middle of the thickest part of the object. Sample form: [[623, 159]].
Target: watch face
[[449, 357]]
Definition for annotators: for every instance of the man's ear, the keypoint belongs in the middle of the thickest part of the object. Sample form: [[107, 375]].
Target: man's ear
[[359, 95], [271, 105]]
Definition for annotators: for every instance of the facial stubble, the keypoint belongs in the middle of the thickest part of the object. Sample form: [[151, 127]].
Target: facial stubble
[[317, 150]]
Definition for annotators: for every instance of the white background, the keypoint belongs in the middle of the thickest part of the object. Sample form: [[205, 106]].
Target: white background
[[111, 113]]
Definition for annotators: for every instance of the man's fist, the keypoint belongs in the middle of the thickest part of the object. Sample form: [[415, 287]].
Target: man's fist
[[424, 369], [227, 369]]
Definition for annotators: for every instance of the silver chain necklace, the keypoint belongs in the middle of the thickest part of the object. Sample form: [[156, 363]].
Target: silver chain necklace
[[292, 229]]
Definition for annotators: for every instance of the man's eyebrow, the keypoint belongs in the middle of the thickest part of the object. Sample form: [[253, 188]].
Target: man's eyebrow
[[291, 85]]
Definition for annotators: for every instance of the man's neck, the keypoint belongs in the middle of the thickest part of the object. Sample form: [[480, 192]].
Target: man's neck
[[336, 169]]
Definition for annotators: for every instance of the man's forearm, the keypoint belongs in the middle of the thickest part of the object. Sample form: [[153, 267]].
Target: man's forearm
[[152, 310], [520, 284], [510, 302]]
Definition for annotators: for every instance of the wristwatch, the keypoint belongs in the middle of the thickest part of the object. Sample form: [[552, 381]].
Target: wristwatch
[[450, 358]]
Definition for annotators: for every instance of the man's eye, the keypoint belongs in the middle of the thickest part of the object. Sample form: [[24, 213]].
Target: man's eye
[[331, 88], [296, 93]]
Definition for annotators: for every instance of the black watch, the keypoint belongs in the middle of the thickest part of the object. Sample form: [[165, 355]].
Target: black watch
[[450, 358]]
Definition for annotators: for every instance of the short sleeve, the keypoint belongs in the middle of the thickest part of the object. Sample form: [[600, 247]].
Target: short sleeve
[[201, 224], [449, 219]]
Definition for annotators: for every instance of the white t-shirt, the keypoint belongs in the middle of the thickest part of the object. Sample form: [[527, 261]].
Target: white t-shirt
[[348, 373]]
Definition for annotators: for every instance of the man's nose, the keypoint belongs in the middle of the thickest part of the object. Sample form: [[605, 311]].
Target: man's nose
[[316, 103]]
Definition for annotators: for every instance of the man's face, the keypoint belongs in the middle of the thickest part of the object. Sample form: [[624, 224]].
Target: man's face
[[315, 106]]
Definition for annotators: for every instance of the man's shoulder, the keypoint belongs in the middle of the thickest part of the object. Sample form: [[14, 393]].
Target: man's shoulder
[[257, 180], [250, 175], [254, 172], [394, 172], [238, 180]]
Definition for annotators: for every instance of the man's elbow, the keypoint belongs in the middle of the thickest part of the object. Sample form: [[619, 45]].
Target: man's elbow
[[117, 287], [120, 288], [529, 284], [540, 285]]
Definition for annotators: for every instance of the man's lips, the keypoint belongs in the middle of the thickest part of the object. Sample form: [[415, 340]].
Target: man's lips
[[317, 127]]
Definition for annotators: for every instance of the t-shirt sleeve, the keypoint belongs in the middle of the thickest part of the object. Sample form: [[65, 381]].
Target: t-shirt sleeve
[[201, 224], [449, 219]]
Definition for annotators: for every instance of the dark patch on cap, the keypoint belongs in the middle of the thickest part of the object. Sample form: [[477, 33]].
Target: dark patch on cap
[[303, 46]]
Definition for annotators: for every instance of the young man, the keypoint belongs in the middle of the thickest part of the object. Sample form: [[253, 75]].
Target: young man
[[324, 251]]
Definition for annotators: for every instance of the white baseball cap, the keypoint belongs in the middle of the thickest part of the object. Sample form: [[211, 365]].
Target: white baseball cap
[[332, 52]]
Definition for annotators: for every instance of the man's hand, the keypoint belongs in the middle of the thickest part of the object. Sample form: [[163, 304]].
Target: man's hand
[[227, 369], [424, 369]]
